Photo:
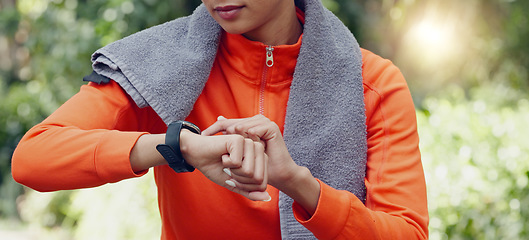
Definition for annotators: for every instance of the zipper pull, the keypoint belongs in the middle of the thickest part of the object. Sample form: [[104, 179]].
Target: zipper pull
[[269, 56]]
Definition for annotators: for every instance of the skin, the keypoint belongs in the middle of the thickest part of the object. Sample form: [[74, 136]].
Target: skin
[[253, 148], [283, 173], [226, 151], [272, 22]]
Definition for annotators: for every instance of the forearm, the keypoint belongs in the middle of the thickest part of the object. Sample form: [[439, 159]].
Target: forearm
[[341, 215], [84, 143], [144, 154], [303, 188], [52, 157]]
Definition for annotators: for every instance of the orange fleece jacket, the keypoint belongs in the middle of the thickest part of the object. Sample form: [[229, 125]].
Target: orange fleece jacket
[[87, 143]]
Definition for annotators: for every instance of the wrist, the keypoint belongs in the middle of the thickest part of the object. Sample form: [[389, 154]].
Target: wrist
[[291, 182], [171, 149], [186, 139], [144, 155], [303, 188]]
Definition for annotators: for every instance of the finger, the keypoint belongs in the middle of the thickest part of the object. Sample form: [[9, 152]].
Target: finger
[[233, 186], [235, 148], [227, 171], [228, 125], [228, 162], [215, 128], [265, 131], [219, 126], [248, 187], [224, 124], [258, 182], [260, 167], [249, 135], [260, 196], [255, 127], [245, 181], [247, 168], [243, 125]]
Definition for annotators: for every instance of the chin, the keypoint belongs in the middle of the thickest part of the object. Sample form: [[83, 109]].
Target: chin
[[233, 29]]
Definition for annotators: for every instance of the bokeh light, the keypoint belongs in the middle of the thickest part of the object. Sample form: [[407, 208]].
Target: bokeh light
[[466, 63], [432, 39]]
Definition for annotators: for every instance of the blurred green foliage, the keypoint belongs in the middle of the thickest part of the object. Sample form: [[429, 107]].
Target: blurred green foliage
[[45, 48], [476, 157], [466, 63]]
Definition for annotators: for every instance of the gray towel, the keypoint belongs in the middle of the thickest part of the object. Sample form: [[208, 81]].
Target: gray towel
[[167, 66]]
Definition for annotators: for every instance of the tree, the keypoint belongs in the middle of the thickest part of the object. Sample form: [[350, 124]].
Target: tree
[[466, 63]]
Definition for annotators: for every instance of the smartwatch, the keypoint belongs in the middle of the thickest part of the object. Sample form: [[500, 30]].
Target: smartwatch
[[171, 149]]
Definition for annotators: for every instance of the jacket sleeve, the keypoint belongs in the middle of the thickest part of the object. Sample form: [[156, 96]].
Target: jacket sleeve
[[396, 203], [84, 143]]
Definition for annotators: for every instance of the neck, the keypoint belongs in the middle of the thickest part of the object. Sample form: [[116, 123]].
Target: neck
[[284, 29]]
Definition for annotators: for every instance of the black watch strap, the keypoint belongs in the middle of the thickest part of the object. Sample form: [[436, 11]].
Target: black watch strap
[[171, 149]]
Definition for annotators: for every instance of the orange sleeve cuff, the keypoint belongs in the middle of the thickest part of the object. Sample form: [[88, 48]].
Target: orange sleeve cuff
[[331, 213], [112, 156]]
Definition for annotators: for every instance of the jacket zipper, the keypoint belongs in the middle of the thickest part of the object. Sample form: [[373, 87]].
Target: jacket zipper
[[268, 64]]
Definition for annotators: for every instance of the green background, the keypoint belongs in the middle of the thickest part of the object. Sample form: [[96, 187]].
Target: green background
[[466, 63]]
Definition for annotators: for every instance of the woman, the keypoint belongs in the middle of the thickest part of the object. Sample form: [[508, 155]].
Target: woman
[[317, 136]]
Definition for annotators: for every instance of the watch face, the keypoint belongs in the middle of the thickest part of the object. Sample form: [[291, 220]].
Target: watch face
[[191, 127]]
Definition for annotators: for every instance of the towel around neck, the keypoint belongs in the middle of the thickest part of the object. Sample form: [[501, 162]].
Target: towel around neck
[[166, 67]]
